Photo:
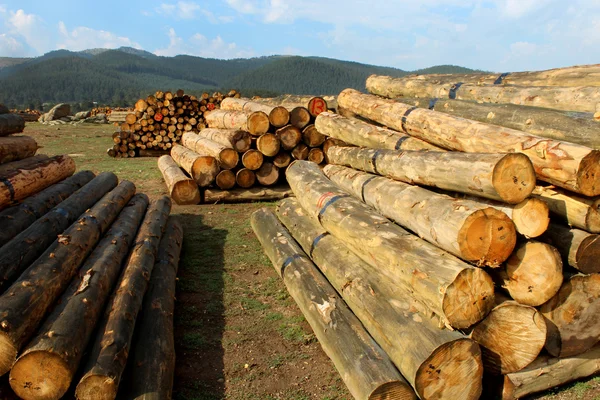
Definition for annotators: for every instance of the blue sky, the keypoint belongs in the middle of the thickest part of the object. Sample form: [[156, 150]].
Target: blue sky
[[497, 35]]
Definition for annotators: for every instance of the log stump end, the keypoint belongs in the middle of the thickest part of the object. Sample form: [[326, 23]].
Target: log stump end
[[40, 375], [469, 298], [514, 178]]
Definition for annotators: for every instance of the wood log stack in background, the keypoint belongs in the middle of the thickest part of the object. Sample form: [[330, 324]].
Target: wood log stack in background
[[459, 263], [160, 120]]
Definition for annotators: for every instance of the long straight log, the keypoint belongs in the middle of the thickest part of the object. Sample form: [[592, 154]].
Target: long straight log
[[364, 367], [577, 211], [14, 148], [290, 101], [394, 323], [22, 183], [573, 127], [204, 169], [22, 311], [581, 98], [458, 293], [533, 274], [48, 364], [470, 231], [505, 177], [256, 123], [238, 139], [363, 134], [227, 156], [571, 166], [182, 189], [27, 246], [11, 123], [108, 358], [579, 249], [16, 219], [21, 164], [213, 196], [549, 372], [572, 316], [153, 358], [278, 116]]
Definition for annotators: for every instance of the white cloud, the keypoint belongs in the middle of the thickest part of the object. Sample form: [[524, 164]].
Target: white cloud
[[29, 28], [188, 10], [82, 38], [200, 45], [520, 8], [11, 47]]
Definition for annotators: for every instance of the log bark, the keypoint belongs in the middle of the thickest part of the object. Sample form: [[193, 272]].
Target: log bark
[[312, 137], [300, 117], [11, 123], [22, 311], [245, 178], [154, 352], [363, 134], [511, 336], [278, 116], [27, 246], [48, 364], [579, 249], [506, 177], [203, 169], [575, 127], [549, 372], [289, 136], [268, 144], [571, 166], [472, 232], [457, 292], [107, 360], [316, 155], [300, 152], [16, 219], [573, 316], [182, 189], [577, 211], [14, 148], [213, 196], [267, 174], [533, 274], [237, 139], [291, 101], [22, 183], [225, 179], [282, 159], [152, 153], [4, 109], [21, 164], [227, 156], [256, 123], [252, 159], [365, 368], [582, 98], [395, 323]]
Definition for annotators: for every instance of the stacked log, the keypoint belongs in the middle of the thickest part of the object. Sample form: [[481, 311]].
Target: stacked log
[[160, 120]]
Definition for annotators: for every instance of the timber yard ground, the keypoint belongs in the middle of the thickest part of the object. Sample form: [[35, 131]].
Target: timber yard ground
[[238, 333]]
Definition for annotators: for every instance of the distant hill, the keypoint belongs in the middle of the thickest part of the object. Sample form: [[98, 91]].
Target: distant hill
[[120, 76]]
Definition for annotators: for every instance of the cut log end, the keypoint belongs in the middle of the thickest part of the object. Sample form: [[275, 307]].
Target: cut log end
[[453, 371], [531, 217], [8, 353], [267, 174], [592, 218], [514, 178], [469, 298], [205, 169], [225, 180], [268, 144], [588, 255], [258, 123], [588, 176], [282, 159], [40, 375], [252, 159], [96, 387], [229, 158], [186, 192], [279, 117], [488, 237], [245, 178], [392, 391]]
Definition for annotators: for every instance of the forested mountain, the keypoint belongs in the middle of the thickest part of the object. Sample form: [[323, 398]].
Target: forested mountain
[[119, 77]]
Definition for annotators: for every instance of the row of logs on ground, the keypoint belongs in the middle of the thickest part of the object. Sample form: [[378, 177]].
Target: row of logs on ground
[[247, 145], [159, 121], [440, 257], [83, 261]]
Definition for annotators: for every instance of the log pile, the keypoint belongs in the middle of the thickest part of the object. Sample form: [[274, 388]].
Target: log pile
[[468, 251], [246, 145], [159, 121]]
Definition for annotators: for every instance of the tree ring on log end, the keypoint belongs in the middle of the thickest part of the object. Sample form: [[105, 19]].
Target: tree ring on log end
[[531, 217], [258, 123], [592, 218], [514, 178], [40, 375], [487, 237], [469, 298], [186, 192], [96, 387], [453, 371], [588, 175], [393, 391], [8, 353], [588, 255]]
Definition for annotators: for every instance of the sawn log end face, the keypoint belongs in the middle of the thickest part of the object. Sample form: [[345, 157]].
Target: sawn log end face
[[96, 387], [514, 178], [588, 175], [588, 255], [40, 375], [393, 391], [453, 371], [8, 353], [469, 298], [531, 217]]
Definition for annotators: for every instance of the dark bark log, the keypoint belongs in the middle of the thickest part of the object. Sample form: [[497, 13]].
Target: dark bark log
[[11, 123], [14, 148], [24, 163], [579, 249]]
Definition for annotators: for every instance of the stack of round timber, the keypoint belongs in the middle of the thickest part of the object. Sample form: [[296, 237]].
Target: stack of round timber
[[158, 122]]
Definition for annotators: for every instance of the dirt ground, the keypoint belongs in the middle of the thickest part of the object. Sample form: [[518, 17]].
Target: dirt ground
[[239, 335]]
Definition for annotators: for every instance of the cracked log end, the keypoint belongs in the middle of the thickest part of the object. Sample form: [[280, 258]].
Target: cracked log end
[[469, 298], [514, 178], [40, 375]]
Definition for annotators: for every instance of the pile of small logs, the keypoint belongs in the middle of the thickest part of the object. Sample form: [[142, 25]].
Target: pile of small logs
[[160, 120], [82, 257], [28, 114], [434, 253], [246, 144]]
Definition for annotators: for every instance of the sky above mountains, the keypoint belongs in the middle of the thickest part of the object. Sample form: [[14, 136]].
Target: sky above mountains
[[496, 35]]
